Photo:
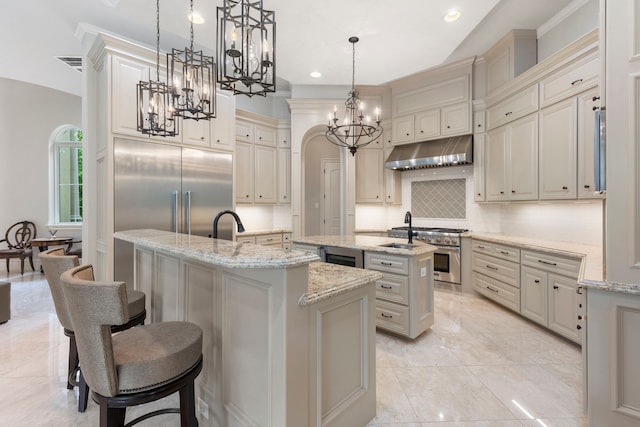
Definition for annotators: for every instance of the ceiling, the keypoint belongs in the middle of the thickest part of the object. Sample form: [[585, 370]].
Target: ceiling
[[397, 38]]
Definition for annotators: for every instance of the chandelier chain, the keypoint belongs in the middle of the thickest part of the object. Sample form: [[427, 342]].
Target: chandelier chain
[[158, 40], [191, 29]]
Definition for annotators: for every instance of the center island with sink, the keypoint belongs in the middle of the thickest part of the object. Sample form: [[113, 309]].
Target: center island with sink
[[404, 295], [288, 340]]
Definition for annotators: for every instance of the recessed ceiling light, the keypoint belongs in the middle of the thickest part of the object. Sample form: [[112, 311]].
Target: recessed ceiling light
[[196, 18], [315, 74], [452, 15]]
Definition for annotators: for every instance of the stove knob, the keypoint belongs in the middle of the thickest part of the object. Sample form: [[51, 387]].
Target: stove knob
[[430, 239], [424, 239], [438, 239], [447, 240]]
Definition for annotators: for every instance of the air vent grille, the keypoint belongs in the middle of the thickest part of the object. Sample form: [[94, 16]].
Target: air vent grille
[[74, 62]]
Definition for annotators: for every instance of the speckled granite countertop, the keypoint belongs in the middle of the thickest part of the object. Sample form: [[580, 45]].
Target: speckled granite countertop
[[366, 243], [592, 270], [223, 253], [328, 280], [260, 232]]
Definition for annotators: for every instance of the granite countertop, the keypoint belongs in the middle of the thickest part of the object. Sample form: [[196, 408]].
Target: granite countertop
[[218, 252], [260, 232], [328, 280], [366, 243]]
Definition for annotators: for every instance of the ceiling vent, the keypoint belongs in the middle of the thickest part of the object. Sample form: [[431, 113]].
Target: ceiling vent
[[74, 62]]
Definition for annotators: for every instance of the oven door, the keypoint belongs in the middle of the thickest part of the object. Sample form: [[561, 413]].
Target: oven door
[[343, 256], [446, 264]]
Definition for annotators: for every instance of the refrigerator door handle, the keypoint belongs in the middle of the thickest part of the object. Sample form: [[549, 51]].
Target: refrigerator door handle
[[188, 213], [175, 210]]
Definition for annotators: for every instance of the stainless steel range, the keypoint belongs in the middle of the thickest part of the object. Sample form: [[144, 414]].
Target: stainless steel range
[[446, 258]]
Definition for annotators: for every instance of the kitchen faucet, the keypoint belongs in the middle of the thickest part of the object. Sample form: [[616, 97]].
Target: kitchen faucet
[[217, 218], [410, 232]]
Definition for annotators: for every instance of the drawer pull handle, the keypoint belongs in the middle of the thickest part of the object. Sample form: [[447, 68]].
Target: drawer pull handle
[[579, 290], [536, 281], [386, 263], [493, 290], [541, 261], [386, 287], [269, 240], [505, 253], [388, 316], [502, 192], [492, 267], [481, 247], [508, 113], [575, 82]]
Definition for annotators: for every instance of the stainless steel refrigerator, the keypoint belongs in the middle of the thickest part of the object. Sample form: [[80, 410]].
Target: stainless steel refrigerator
[[168, 188]]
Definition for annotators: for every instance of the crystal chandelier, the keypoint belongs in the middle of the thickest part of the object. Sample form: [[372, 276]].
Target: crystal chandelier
[[357, 129], [246, 47], [155, 112], [193, 81]]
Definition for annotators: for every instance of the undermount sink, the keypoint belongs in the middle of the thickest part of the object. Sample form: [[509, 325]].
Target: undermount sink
[[398, 245]]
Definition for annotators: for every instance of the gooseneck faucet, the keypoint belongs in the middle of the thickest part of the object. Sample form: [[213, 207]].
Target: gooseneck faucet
[[407, 220], [217, 218]]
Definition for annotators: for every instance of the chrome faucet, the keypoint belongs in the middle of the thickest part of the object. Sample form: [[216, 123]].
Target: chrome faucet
[[217, 218], [410, 232]]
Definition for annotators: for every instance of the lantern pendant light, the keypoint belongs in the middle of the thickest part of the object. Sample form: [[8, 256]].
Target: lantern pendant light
[[193, 85], [246, 47], [155, 112]]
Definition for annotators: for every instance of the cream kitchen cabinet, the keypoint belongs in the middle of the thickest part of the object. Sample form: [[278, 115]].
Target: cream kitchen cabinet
[[575, 77], [513, 107], [404, 296], [511, 161], [392, 181], [370, 174], [496, 272], [455, 119], [566, 148], [446, 121], [223, 126], [548, 292], [255, 173], [479, 194], [284, 164], [513, 54]]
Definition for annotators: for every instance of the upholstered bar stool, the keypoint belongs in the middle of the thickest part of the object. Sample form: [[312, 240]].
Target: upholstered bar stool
[[136, 366], [55, 262], [5, 302]]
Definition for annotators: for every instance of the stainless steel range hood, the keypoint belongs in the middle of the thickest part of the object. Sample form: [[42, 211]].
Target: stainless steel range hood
[[457, 150]]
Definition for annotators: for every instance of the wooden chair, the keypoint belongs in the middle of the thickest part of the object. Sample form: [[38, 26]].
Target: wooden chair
[[54, 263], [18, 240], [136, 366], [74, 250]]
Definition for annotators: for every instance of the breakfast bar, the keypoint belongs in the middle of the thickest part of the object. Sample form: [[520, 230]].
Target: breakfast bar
[[288, 340]]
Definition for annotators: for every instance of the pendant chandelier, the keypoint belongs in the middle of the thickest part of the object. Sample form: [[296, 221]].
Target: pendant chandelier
[[155, 112], [357, 129], [246, 47], [192, 77]]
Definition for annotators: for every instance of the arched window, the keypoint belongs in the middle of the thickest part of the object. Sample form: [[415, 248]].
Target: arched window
[[66, 176]]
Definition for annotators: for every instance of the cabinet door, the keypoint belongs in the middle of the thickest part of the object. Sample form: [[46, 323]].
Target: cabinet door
[[369, 175], [392, 181], [586, 135], [478, 168], [533, 295], [499, 69], [265, 174], [223, 126], [196, 132], [244, 173], [455, 119], [403, 130], [563, 306], [496, 164], [265, 136], [284, 175], [558, 150], [523, 156], [427, 125], [124, 112], [244, 131]]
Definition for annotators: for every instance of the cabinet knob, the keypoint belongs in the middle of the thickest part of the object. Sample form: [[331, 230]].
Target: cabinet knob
[[202, 138], [536, 281], [448, 127], [421, 131], [407, 134], [479, 194], [247, 196], [555, 286], [502, 192], [595, 98], [565, 187], [578, 327], [259, 137], [217, 140], [285, 196], [513, 191], [260, 196], [587, 186], [579, 316]]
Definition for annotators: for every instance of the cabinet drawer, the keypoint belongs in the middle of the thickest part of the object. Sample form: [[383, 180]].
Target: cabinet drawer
[[388, 263], [495, 249], [269, 239], [265, 136], [286, 237], [553, 263], [245, 239], [394, 288], [497, 291], [569, 81], [244, 132], [499, 269], [392, 316], [514, 107]]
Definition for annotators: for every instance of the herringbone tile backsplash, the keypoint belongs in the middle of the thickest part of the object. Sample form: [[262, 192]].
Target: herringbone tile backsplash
[[444, 198]]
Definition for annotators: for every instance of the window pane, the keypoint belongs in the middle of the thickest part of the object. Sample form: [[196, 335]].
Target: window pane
[[69, 184]]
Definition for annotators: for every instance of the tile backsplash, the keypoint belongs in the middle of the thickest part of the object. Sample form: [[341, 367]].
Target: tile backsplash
[[443, 198]]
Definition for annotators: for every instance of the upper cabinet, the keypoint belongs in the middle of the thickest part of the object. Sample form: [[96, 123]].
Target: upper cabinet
[[511, 56], [432, 105]]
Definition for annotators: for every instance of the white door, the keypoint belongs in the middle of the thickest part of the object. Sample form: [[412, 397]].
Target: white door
[[331, 197]]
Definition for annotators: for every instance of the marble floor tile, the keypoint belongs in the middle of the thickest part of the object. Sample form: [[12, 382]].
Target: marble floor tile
[[480, 365]]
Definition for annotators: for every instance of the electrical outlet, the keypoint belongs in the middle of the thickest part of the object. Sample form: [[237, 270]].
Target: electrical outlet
[[423, 271], [203, 409]]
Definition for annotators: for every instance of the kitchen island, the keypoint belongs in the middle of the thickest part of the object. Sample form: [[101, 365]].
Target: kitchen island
[[288, 341], [404, 295]]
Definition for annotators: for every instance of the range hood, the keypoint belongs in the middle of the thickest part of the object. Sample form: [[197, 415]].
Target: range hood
[[457, 150]]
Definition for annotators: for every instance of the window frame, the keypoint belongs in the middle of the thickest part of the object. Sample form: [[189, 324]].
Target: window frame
[[54, 176]]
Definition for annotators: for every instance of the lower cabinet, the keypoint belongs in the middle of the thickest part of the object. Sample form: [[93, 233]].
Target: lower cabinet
[[404, 296], [279, 240], [541, 286]]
